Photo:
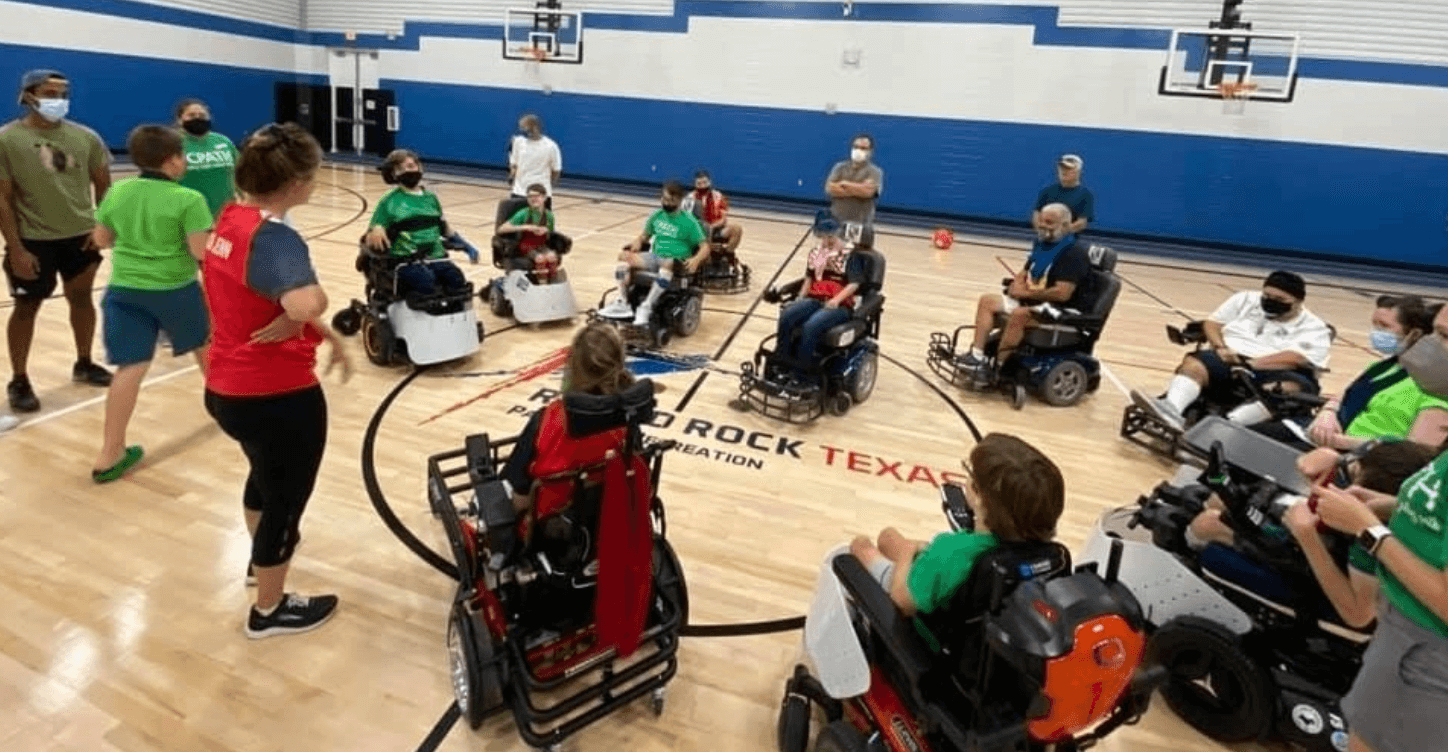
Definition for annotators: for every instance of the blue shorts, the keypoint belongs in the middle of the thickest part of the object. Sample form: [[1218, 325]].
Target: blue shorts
[[134, 318]]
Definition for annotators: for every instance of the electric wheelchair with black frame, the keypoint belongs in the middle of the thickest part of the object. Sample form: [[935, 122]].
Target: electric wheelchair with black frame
[[1055, 359], [1252, 646], [677, 312], [572, 609], [847, 368], [519, 292], [722, 273], [1030, 655], [419, 329], [1285, 395]]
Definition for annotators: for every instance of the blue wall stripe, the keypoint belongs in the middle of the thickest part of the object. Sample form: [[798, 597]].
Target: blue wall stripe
[[1042, 17]]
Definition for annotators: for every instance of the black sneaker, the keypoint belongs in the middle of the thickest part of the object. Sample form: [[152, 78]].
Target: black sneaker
[[87, 372], [22, 397], [295, 614]]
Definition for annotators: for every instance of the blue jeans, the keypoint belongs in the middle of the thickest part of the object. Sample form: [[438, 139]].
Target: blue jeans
[[430, 278], [802, 325]]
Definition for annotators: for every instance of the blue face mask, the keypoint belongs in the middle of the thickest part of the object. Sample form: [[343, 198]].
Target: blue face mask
[[1385, 341], [53, 110]]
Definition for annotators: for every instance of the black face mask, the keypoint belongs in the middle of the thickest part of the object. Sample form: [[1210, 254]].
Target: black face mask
[[198, 126], [410, 179], [1274, 307], [670, 208]]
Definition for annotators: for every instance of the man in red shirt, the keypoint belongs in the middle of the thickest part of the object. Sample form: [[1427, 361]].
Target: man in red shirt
[[712, 209]]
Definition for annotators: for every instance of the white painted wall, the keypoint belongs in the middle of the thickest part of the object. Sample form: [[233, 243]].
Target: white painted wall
[[284, 13]]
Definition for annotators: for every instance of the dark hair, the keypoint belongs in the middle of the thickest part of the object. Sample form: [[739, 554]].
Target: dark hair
[[702, 174], [151, 145], [395, 158], [274, 156], [673, 188], [596, 362], [1387, 465], [1288, 282], [182, 106], [538, 188], [1412, 311], [1020, 489], [865, 136]]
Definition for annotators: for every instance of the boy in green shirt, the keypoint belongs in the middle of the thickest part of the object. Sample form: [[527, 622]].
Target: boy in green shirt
[[407, 221], [677, 236], [157, 229], [534, 226], [1017, 495], [210, 156]]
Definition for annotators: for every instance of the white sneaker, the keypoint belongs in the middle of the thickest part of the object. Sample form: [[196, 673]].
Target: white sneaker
[[8, 422], [617, 309], [641, 317]]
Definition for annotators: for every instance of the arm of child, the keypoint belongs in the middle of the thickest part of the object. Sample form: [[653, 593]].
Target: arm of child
[[1352, 593], [196, 243]]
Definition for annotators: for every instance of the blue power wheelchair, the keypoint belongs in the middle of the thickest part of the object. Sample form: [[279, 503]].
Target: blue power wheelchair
[[1253, 648], [845, 373], [518, 292], [530, 626], [1031, 656], [1055, 359]]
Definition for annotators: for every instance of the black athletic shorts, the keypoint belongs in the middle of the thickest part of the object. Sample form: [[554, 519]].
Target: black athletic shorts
[[67, 257]]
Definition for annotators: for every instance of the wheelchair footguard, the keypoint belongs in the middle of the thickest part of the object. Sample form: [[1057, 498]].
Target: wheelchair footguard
[[677, 313], [722, 274], [844, 378], [519, 637], [1059, 377]]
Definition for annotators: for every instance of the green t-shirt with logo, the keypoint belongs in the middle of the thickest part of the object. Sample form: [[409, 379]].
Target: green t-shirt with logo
[[944, 566], [151, 217], [211, 168], [50, 171], [1392, 411], [1420, 523], [675, 236], [401, 204], [526, 216]]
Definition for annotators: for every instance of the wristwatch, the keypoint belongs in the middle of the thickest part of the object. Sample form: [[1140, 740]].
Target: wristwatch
[[1372, 538]]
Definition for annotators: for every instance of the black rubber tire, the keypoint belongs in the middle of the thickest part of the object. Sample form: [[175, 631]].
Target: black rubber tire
[[377, 341], [1065, 384], [862, 383], [669, 575], [476, 688], [481, 332], [691, 311], [498, 303], [792, 734], [839, 404], [347, 321], [1018, 396], [1241, 702]]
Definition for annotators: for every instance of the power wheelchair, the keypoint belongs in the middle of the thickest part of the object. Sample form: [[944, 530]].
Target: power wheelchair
[[1253, 648], [398, 329], [677, 312], [517, 292], [535, 626], [722, 273], [1032, 656], [1288, 395], [845, 373], [1055, 359]]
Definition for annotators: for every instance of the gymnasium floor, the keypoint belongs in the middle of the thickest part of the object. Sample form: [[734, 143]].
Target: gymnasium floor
[[123, 604]]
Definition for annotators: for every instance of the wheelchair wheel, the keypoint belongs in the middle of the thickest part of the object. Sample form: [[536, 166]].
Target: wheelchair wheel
[[686, 319], [1017, 394], [669, 577], [498, 303], [863, 382], [378, 341], [347, 321], [477, 682], [838, 404], [1065, 384], [1214, 685]]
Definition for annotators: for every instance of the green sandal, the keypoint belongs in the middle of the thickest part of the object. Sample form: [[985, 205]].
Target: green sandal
[[114, 472]]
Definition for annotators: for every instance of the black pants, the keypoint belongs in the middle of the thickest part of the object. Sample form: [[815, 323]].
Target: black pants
[[283, 437]]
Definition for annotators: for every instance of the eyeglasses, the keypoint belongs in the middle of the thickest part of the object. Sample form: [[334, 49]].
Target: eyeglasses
[[969, 474]]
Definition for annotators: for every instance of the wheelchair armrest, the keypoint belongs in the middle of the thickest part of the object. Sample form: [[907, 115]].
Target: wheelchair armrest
[[869, 307], [496, 511], [480, 459], [785, 292], [1078, 321], [894, 628]]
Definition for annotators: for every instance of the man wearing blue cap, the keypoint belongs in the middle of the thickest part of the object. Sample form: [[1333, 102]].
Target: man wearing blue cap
[[48, 166]]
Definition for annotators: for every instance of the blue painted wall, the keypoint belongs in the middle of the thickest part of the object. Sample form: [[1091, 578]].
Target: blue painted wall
[[1370, 204], [114, 93]]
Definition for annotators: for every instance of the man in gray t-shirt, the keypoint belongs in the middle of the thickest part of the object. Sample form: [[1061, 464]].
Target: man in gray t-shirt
[[855, 184]]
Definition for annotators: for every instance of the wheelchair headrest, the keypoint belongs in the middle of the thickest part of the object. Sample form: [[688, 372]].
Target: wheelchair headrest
[[874, 270], [998, 571], [589, 414], [1102, 257], [507, 208]]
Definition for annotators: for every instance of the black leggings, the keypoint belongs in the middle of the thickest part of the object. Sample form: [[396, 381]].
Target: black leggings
[[283, 437]]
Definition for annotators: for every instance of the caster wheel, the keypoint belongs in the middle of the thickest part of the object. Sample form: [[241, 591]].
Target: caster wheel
[[480, 331], [347, 322], [738, 405], [839, 404], [657, 702], [1018, 396]]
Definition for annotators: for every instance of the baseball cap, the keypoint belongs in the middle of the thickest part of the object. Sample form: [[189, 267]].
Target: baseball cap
[[35, 78], [1072, 161], [826, 224]]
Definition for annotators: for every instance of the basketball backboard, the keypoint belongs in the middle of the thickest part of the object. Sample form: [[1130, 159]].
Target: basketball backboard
[[1200, 61], [544, 35]]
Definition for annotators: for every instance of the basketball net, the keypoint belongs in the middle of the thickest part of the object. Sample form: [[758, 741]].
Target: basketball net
[[1235, 96]]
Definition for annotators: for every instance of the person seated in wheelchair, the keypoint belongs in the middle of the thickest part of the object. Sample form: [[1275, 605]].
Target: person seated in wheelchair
[[711, 208], [673, 236], [408, 224], [1017, 494], [1055, 281], [530, 229], [834, 273], [1270, 332], [1384, 400]]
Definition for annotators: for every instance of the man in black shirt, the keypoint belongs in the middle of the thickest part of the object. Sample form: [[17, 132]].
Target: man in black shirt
[[1068, 190]]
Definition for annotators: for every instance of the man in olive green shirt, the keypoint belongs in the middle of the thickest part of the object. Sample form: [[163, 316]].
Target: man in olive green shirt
[[48, 166]]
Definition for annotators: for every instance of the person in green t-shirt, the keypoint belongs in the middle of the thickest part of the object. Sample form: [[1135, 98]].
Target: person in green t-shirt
[[676, 236], [408, 222], [210, 156], [534, 226], [1017, 494], [157, 230]]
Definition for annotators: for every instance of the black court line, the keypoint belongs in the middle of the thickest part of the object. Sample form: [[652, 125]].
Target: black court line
[[1153, 296], [969, 424], [441, 728]]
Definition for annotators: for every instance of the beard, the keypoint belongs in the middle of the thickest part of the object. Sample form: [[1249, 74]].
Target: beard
[[1050, 234]]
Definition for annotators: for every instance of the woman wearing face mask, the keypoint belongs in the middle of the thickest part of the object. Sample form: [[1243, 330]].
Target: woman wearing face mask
[[210, 156], [1382, 401], [408, 221]]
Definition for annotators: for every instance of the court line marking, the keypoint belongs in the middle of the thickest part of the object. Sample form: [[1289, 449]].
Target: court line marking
[[68, 409]]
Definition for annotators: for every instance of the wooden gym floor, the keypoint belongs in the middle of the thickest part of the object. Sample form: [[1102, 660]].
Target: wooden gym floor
[[123, 604]]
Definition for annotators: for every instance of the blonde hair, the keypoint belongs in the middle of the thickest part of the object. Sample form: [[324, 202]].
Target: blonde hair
[[595, 362]]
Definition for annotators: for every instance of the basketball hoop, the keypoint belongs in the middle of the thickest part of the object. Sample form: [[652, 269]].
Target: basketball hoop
[[539, 54], [1235, 96]]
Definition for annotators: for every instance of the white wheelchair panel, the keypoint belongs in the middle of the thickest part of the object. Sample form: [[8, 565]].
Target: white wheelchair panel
[[832, 649], [435, 339], [537, 303]]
